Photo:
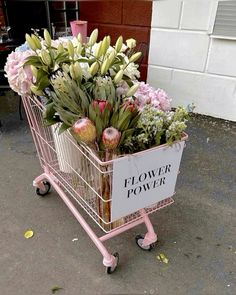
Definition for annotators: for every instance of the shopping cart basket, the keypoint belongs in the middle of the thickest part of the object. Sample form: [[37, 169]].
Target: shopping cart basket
[[81, 178]]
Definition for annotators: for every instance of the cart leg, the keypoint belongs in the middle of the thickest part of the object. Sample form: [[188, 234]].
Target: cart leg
[[108, 259], [150, 236]]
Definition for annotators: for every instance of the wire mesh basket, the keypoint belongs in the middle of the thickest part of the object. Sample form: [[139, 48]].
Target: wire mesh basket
[[81, 174]]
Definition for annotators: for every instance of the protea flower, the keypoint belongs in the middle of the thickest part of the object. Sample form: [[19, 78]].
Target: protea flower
[[110, 138], [129, 105], [100, 103], [84, 130]]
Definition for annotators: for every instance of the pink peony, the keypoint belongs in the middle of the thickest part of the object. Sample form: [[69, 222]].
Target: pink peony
[[148, 95], [19, 77]]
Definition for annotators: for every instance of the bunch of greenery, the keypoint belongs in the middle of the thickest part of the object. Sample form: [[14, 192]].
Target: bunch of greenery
[[156, 127]]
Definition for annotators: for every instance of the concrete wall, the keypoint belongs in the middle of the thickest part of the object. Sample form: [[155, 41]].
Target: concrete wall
[[189, 64]]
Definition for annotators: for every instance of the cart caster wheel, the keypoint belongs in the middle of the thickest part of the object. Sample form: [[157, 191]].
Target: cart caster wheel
[[44, 192], [110, 269], [139, 241]]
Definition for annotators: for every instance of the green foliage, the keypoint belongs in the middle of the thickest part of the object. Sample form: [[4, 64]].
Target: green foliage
[[155, 127]]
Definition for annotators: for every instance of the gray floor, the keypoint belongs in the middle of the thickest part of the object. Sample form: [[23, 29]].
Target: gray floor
[[197, 233]]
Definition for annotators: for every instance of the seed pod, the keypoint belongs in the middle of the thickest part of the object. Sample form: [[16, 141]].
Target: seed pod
[[30, 42], [132, 90], [47, 38], [135, 56], [119, 44], [118, 76], [70, 48], [93, 37]]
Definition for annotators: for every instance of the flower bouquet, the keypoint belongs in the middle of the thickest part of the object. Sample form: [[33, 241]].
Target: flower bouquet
[[92, 90]]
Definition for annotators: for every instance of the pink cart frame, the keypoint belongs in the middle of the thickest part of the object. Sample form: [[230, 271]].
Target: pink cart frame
[[66, 185]]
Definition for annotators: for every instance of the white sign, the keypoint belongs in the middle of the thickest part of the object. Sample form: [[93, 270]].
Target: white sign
[[144, 179]]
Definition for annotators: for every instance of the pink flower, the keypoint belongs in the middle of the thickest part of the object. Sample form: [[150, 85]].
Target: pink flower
[[110, 138], [102, 104], [84, 130], [164, 101], [19, 77], [148, 95], [129, 105]]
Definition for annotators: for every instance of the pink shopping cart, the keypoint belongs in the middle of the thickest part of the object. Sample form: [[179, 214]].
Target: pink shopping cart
[[118, 194]]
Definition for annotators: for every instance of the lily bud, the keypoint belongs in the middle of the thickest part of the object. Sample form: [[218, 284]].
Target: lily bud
[[78, 69], [98, 51], [70, 48], [30, 42], [93, 37], [131, 43], [34, 71], [72, 72], [105, 44], [135, 56], [94, 68], [36, 41], [46, 58], [105, 66], [112, 56], [78, 49], [118, 76], [119, 44], [60, 48], [79, 38], [47, 38], [132, 90], [109, 40]]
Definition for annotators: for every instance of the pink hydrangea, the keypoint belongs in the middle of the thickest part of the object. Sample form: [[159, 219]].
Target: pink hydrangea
[[19, 77], [148, 95]]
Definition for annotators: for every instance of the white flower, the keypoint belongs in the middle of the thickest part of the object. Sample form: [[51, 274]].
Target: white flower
[[131, 43]]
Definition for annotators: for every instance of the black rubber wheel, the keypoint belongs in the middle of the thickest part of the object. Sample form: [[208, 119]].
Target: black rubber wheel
[[109, 269], [139, 241], [47, 187]]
